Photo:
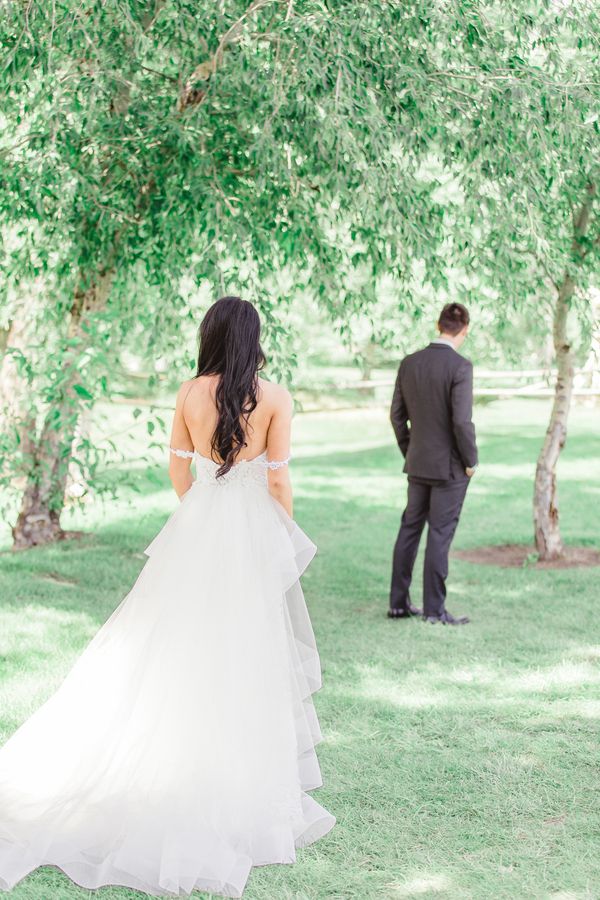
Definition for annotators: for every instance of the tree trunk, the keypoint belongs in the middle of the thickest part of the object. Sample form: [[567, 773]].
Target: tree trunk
[[548, 541], [43, 499], [545, 504], [17, 413], [4, 337], [366, 355], [12, 385]]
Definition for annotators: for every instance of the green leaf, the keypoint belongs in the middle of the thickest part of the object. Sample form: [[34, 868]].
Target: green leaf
[[82, 391]]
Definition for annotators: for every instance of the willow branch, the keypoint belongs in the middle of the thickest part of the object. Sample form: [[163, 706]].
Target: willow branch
[[191, 95]]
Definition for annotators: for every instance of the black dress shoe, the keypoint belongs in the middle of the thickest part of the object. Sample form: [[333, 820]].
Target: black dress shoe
[[405, 612], [446, 619]]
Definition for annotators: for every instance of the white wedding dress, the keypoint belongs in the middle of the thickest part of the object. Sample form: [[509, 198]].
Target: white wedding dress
[[177, 752]]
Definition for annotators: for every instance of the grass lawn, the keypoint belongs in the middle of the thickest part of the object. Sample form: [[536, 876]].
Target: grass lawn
[[460, 763]]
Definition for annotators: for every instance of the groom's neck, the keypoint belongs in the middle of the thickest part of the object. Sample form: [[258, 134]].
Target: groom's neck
[[454, 339]]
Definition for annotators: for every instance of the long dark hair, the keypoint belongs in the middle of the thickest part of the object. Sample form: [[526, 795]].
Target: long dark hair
[[230, 347]]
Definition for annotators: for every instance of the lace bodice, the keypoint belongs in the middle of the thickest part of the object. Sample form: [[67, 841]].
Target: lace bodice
[[246, 470]]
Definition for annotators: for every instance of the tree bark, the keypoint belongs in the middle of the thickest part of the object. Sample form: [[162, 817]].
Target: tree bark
[[17, 413], [548, 541], [366, 355], [12, 386], [5, 337], [43, 499]]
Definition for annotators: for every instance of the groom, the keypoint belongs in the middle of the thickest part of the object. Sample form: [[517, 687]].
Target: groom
[[431, 415]]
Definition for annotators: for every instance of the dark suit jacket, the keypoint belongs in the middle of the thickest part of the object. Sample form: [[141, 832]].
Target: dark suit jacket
[[431, 413]]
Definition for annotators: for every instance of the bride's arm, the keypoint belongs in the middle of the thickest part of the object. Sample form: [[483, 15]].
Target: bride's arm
[[278, 450], [179, 465]]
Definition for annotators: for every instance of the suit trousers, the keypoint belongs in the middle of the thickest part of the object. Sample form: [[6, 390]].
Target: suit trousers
[[439, 505]]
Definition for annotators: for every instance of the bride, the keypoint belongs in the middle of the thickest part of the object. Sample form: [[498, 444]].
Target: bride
[[178, 751]]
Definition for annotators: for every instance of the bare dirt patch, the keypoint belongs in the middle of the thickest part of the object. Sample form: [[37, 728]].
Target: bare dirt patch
[[514, 556]]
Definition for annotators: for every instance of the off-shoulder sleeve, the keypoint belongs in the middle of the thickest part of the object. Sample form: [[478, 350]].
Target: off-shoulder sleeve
[[277, 463], [184, 454]]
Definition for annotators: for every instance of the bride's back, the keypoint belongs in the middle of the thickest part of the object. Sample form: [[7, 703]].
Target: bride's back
[[227, 413], [200, 416]]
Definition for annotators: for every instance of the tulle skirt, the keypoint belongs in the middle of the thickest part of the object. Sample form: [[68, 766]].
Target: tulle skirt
[[178, 751]]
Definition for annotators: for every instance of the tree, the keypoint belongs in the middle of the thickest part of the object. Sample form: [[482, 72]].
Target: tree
[[321, 138], [530, 189], [254, 136], [519, 143]]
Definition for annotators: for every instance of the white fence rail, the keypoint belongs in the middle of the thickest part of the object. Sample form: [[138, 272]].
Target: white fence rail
[[540, 383]]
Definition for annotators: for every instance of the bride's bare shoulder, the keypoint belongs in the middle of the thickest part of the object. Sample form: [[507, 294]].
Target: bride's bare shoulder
[[184, 389], [194, 389], [199, 384], [277, 397]]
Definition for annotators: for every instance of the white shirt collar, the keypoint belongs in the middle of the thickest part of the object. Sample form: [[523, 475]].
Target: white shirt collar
[[445, 341]]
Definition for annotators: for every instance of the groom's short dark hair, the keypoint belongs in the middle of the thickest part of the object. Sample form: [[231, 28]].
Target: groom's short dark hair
[[453, 318]]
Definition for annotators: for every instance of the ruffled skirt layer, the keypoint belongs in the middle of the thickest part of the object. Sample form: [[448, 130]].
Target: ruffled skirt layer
[[178, 751]]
